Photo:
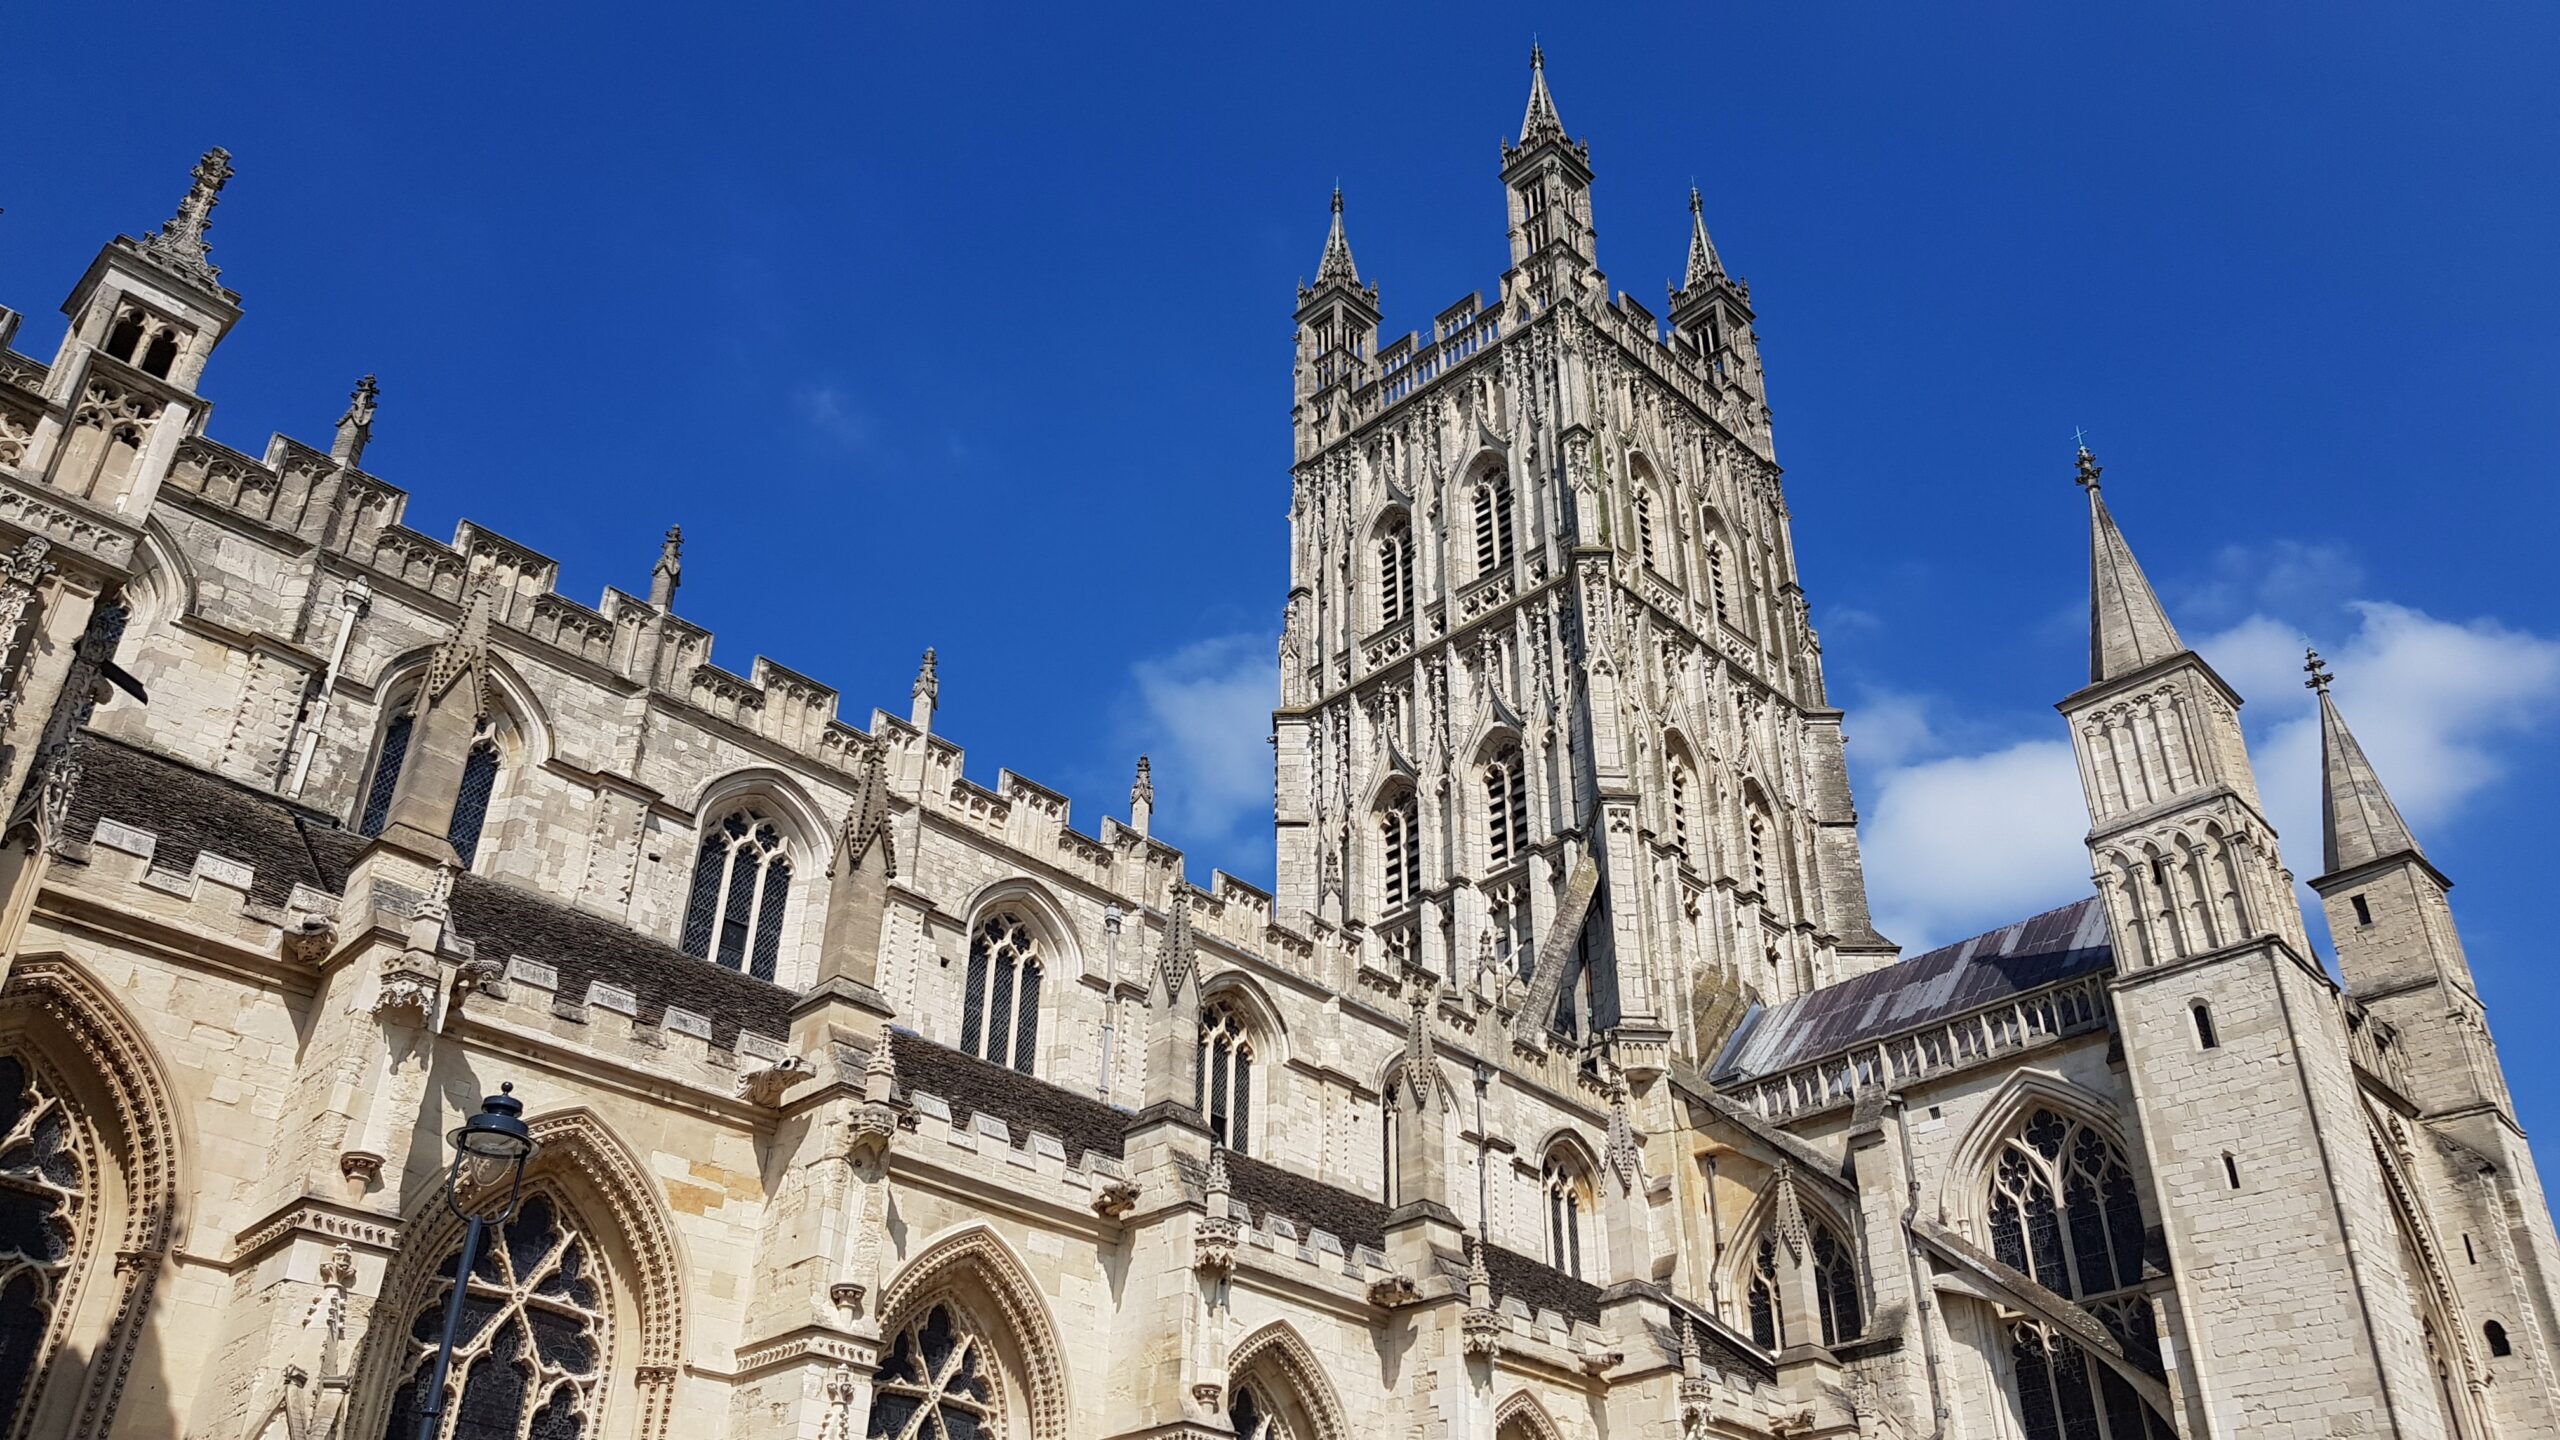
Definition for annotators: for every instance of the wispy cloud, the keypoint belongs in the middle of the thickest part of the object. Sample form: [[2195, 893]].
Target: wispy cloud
[[1963, 833], [1203, 716], [831, 412]]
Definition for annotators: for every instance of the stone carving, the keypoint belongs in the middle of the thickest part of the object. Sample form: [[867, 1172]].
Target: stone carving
[[180, 245], [404, 997], [355, 428], [866, 818], [1214, 1243], [1179, 954], [763, 1084], [1114, 1199], [1481, 1327]]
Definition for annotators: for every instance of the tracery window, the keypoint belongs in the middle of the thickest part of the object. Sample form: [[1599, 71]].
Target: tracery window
[[939, 1383], [2063, 1209], [1225, 1095], [1506, 805], [1835, 1287], [741, 891], [1493, 524], [1569, 1203], [530, 1360], [1252, 1416], [46, 1195], [1400, 851], [1000, 1014], [471, 802], [1395, 572]]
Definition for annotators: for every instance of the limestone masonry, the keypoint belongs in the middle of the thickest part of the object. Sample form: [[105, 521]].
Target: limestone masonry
[[1562, 1090]]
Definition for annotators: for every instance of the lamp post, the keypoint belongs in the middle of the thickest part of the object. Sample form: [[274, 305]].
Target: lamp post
[[490, 1146]]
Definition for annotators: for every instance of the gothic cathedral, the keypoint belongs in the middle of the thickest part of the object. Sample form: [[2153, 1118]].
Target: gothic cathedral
[[1560, 1089]]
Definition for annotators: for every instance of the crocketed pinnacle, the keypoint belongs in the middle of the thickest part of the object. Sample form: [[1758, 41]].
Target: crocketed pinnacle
[[1705, 266], [1336, 264], [181, 245], [1541, 121], [2358, 822], [2127, 628]]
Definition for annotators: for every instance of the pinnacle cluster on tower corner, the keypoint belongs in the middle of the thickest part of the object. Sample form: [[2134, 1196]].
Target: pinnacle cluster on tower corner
[[1562, 1064]]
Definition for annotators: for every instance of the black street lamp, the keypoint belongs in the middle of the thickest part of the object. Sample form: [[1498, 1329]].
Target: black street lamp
[[490, 1146]]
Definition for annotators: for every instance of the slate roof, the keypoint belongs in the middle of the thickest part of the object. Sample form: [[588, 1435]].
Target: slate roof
[[2026, 955], [972, 1086]]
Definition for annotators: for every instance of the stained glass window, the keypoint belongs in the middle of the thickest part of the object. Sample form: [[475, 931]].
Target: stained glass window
[[1226, 1074], [741, 891], [1000, 1014], [44, 1203], [1835, 1287], [529, 1357], [938, 1383]]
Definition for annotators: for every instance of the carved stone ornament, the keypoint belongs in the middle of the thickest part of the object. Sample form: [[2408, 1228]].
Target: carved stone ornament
[[464, 655], [1790, 1214], [1207, 1395], [1180, 954], [866, 820], [1394, 1292], [763, 1085], [846, 1295], [1115, 1199], [1214, 1247], [309, 936], [1600, 1362], [1482, 1329], [1625, 1157], [361, 1166], [180, 245], [406, 997]]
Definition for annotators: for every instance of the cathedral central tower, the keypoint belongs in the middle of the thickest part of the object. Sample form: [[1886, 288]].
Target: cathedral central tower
[[1552, 711]]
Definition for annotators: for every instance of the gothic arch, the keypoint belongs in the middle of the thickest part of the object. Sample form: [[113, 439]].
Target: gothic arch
[[808, 824], [975, 1255], [1240, 988], [1820, 1208], [1960, 1185], [578, 1157], [2430, 1288], [507, 691], [161, 593], [1279, 1350], [1521, 1417], [59, 1011]]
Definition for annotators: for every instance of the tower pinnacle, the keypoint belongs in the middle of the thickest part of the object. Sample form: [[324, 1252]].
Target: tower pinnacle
[[1336, 264], [355, 428], [1705, 266], [2127, 628], [2358, 822], [669, 571], [180, 245], [1541, 121]]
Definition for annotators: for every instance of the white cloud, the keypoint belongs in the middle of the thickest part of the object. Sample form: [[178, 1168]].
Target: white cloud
[[1203, 718], [832, 413], [1958, 840]]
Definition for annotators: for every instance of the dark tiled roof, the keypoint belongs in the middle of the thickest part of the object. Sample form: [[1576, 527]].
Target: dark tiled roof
[[2034, 952], [1540, 1287], [971, 1085], [193, 811], [286, 844], [1268, 1190]]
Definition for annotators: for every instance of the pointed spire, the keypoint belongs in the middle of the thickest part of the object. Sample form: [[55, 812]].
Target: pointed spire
[[866, 819], [668, 572], [1216, 1182], [355, 428], [1420, 1073], [1541, 122], [2358, 822], [1180, 952], [180, 245], [2127, 628], [1705, 266], [1336, 265]]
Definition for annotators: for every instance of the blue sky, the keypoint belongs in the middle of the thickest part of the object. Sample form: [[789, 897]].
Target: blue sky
[[952, 326]]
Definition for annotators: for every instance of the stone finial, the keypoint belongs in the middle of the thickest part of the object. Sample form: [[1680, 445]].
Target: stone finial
[[355, 428], [1790, 1221], [1479, 1279], [668, 572], [2318, 670], [1705, 266], [2087, 472], [1217, 1184], [1180, 954], [1336, 263], [464, 654], [881, 1066], [1625, 1158], [180, 245], [928, 690], [1142, 798], [1541, 121], [866, 818], [1688, 1346]]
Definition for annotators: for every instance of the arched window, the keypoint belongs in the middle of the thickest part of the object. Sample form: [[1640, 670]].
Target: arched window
[[2496, 1335], [741, 891], [535, 1332], [1715, 580], [1680, 805], [1757, 829], [1569, 1204], [1395, 571], [1835, 1287], [1226, 1074], [2063, 1209], [1506, 805], [2206, 1039], [939, 1382], [1000, 1014], [1644, 526], [1400, 851], [1253, 1416], [1493, 524], [47, 1200], [471, 802]]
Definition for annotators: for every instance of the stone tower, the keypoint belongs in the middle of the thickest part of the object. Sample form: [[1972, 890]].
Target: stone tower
[[1552, 713], [2237, 1047]]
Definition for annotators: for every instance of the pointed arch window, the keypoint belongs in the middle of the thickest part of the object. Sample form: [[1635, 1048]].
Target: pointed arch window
[[46, 1200], [535, 1336], [939, 1383], [2063, 1208], [741, 893], [1493, 524], [1644, 526], [1000, 1013], [1506, 805], [1395, 572], [1835, 1287], [471, 802], [1569, 1204], [1225, 1095], [1400, 851], [1715, 580], [1252, 1415]]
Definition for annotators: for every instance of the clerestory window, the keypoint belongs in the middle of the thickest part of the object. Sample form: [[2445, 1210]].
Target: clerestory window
[[741, 893], [1225, 1095], [1000, 1013]]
